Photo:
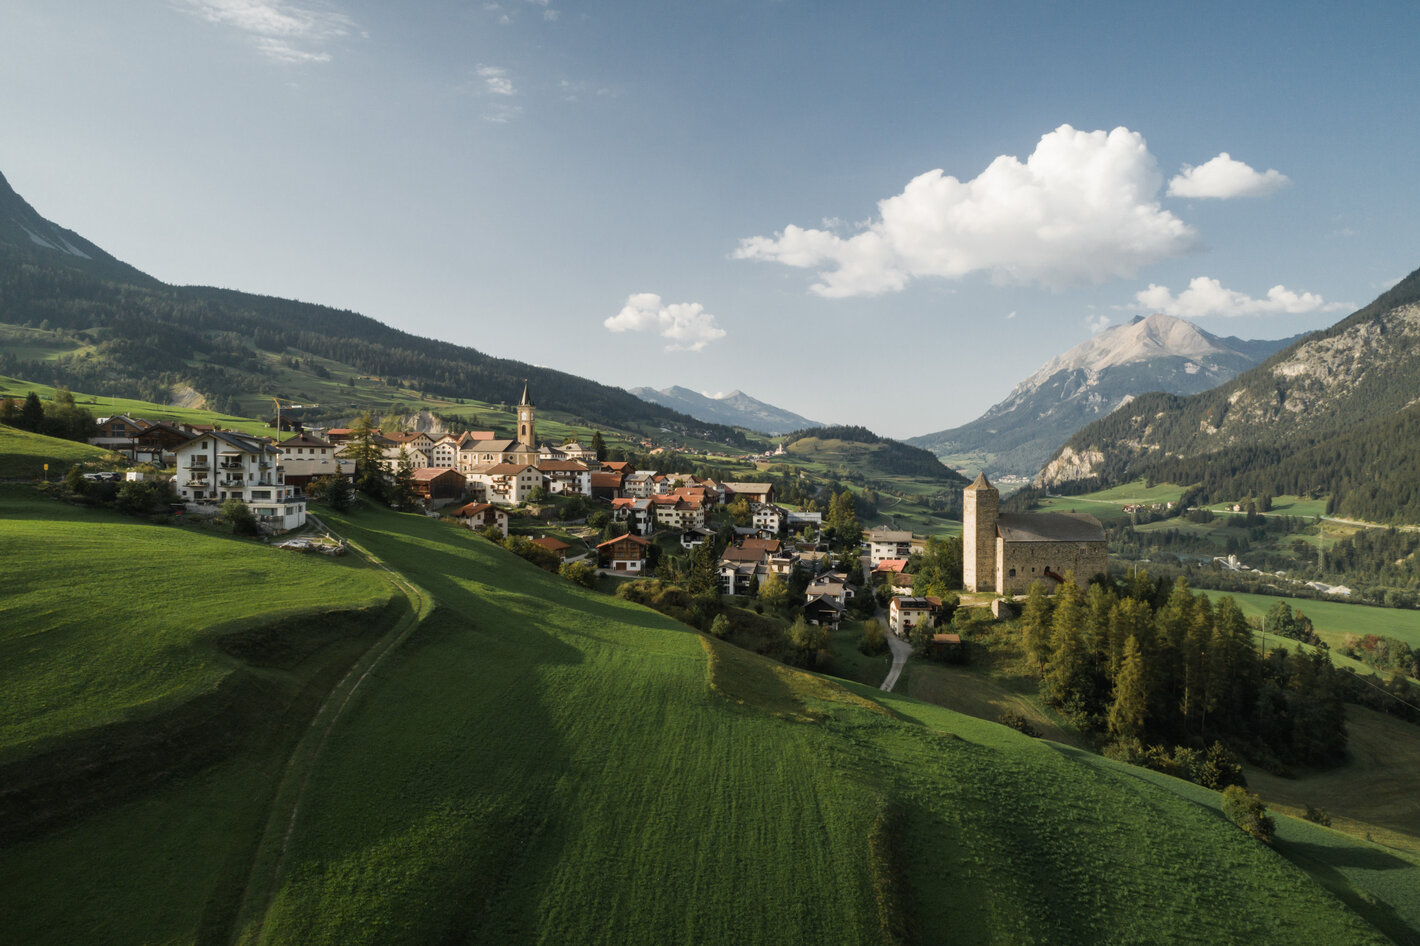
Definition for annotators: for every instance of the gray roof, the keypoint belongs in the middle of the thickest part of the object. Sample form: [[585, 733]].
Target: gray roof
[[1049, 527], [889, 535]]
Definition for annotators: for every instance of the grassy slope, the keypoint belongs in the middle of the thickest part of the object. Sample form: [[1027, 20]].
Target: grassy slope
[[1333, 620], [556, 767], [23, 454], [107, 617]]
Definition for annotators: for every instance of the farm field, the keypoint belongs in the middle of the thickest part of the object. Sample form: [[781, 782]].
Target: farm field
[[1335, 619], [95, 628], [1107, 505], [560, 766], [104, 406]]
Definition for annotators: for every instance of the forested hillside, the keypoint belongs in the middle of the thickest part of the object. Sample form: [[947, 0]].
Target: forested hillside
[[1335, 414]]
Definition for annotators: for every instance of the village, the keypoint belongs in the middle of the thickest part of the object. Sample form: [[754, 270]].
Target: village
[[628, 518]]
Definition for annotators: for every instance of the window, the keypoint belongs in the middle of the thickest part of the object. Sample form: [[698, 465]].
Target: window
[[1013, 573]]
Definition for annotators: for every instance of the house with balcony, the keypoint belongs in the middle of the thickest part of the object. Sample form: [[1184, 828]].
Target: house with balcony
[[482, 515], [566, 477], [222, 464], [508, 484], [884, 544], [305, 457]]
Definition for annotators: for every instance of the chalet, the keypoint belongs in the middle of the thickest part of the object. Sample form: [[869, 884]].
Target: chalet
[[753, 492], [625, 553], [223, 465], [156, 443], [623, 467], [417, 440], [575, 451], [769, 518], [694, 538], [830, 588], [555, 546], [566, 477], [886, 543], [481, 515], [906, 613], [824, 612], [606, 485], [767, 546], [638, 514], [639, 485], [675, 513], [508, 484], [739, 567], [434, 484], [306, 457]]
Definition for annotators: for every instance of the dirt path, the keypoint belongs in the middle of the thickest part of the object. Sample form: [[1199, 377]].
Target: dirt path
[[265, 877], [901, 650]]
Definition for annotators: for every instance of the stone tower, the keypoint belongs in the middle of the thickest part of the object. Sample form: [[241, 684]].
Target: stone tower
[[980, 504], [527, 424]]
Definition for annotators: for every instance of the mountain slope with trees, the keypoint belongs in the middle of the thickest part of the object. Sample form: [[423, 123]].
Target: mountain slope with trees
[[1157, 353], [1336, 414], [736, 409], [135, 336]]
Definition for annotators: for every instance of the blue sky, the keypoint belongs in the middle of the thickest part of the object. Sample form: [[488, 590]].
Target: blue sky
[[884, 214]]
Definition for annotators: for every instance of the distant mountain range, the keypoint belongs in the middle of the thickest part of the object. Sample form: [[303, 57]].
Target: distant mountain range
[[1336, 413], [735, 409], [1154, 353]]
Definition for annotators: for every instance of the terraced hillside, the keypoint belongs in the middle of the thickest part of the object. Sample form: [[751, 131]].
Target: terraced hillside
[[538, 763]]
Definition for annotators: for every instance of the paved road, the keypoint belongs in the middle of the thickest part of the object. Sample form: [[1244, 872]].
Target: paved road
[[901, 650]]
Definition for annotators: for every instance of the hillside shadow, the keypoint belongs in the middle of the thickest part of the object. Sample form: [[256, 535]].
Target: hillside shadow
[[1323, 862]]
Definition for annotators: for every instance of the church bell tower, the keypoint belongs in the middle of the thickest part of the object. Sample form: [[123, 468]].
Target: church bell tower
[[527, 424]]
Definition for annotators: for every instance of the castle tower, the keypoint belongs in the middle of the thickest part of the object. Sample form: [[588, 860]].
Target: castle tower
[[527, 424], [981, 503]]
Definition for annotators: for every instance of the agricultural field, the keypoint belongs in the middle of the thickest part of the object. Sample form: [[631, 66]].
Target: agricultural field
[[560, 766], [107, 618], [105, 406], [1335, 619], [1107, 505]]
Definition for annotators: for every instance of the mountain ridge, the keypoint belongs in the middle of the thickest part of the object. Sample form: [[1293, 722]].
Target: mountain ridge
[[1017, 435], [1331, 414], [735, 409]]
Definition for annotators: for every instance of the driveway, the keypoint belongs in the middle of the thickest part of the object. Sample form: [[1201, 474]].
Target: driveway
[[901, 650]]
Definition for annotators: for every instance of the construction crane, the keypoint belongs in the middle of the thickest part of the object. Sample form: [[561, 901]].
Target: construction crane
[[277, 401]]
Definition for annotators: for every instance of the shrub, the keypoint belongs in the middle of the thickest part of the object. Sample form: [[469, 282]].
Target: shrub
[[1318, 816], [581, 573], [873, 642], [236, 512], [1017, 722], [1247, 811], [720, 627]]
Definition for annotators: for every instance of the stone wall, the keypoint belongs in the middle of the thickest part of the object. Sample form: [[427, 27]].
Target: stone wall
[[1031, 560]]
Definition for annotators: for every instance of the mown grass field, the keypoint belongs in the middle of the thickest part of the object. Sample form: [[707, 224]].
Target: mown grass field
[[24, 455], [1107, 505], [106, 617], [541, 764], [1335, 619]]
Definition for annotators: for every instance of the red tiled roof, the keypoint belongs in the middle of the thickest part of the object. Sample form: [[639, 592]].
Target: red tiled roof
[[635, 538], [551, 544]]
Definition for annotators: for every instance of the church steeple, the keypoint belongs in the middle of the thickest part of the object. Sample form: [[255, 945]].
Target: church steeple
[[527, 422]]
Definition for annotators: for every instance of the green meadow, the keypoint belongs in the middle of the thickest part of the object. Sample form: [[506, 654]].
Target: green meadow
[[1333, 620], [23, 455], [533, 762], [1107, 505], [106, 617]]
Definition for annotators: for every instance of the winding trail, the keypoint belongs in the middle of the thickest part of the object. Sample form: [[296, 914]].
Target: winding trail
[[265, 878], [901, 650]]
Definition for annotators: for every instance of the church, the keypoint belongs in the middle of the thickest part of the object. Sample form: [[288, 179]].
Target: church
[[1008, 552]]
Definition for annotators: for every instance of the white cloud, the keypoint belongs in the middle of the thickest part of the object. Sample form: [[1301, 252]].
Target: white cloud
[[686, 324], [1082, 208], [550, 15], [283, 31], [1223, 178], [1010, 315], [1206, 296], [496, 81], [1097, 323]]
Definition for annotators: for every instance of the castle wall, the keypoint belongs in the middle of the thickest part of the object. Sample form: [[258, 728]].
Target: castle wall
[[1031, 559]]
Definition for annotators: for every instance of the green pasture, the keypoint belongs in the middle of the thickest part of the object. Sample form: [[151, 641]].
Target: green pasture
[[106, 617], [103, 406], [538, 763], [1335, 619], [24, 455], [1107, 505]]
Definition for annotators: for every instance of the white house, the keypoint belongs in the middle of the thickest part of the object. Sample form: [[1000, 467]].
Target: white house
[[508, 484], [906, 613], [769, 518], [221, 465], [886, 543]]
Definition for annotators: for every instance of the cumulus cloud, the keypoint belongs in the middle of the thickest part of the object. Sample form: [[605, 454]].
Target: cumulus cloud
[[1206, 296], [1223, 178], [283, 31], [686, 324], [1081, 209]]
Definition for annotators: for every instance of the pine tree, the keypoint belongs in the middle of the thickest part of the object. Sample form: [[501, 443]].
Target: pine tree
[[1129, 713], [32, 413], [1035, 624], [598, 445]]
